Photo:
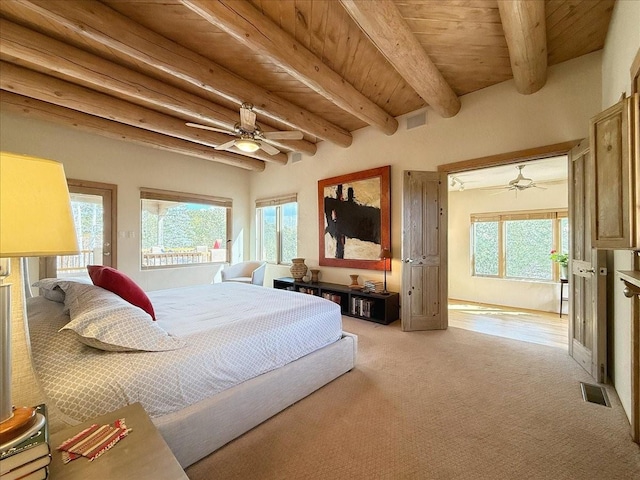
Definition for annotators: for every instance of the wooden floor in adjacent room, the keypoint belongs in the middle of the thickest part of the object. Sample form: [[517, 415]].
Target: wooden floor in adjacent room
[[525, 325]]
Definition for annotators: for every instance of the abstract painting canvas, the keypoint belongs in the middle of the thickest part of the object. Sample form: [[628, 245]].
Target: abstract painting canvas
[[354, 219]]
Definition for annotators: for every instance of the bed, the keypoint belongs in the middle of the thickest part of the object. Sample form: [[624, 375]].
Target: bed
[[229, 356]]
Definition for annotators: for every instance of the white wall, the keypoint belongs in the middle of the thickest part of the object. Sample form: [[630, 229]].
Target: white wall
[[494, 120], [622, 44], [543, 296], [92, 157]]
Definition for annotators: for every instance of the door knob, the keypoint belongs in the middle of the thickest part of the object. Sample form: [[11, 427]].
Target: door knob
[[408, 260], [106, 254]]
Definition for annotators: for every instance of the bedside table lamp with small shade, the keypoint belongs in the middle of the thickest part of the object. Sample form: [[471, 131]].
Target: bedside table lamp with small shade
[[35, 221], [385, 254]]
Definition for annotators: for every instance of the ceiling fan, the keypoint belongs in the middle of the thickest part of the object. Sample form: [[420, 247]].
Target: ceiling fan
[[250, 136], [521, 182]]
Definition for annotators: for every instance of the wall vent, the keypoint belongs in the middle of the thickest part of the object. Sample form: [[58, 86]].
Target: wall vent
[[416, 120], [594, 394], [295, 157]]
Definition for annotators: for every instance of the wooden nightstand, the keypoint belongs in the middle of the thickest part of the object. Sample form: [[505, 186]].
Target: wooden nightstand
[[141, 454]]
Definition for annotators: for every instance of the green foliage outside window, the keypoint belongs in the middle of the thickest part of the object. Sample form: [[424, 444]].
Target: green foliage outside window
[[175, 233], [514, 248], [527, 245], [268, 219], [486, 248]]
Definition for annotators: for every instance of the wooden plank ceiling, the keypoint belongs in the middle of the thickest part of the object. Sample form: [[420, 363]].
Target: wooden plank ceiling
[[139, 70]]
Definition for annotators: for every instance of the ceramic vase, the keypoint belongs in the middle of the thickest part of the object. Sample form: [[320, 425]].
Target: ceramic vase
[[564, 271], [298, 269], [354, 281]]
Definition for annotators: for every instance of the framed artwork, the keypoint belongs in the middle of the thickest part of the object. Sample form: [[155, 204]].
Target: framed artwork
[[355, 219]]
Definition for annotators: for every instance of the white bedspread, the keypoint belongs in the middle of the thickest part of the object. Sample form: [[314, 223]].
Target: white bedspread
[[233, 331]]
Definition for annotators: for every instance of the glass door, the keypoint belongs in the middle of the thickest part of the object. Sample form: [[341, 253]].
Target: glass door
[[94, 214]]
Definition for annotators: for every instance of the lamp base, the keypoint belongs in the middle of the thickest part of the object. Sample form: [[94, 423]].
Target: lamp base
[[24, 423]]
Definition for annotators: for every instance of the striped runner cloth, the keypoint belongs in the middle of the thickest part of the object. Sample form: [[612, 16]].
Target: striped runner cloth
[[93, 441]]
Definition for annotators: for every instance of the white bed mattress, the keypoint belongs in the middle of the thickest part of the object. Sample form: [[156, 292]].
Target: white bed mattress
[[233, 332]]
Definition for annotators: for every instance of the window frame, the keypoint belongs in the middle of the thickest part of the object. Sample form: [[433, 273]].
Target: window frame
[[277, 202], [556, 215], [183, 197]]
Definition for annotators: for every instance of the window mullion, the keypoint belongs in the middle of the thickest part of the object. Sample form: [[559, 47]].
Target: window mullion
[[278, 234]]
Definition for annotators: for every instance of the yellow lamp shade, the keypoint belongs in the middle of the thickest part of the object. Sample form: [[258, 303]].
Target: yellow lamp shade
[[35, 208]]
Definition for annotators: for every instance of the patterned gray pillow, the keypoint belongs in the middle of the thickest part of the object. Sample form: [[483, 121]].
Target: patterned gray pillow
[[101, 319], [51, 288]]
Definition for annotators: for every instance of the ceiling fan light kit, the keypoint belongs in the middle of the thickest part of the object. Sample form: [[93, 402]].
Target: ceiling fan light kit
[[247, 145], [250, 135]]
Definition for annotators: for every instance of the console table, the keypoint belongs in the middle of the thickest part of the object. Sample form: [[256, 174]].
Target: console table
[[375, 307]]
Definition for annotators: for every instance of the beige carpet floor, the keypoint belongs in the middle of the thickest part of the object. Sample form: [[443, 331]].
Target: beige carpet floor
[[449, 404]]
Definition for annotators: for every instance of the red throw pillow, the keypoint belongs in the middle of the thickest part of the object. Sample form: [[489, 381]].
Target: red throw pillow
[[118, 283]]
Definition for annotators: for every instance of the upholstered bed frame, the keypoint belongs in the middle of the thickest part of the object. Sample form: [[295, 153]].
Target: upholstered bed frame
[[196, 431]]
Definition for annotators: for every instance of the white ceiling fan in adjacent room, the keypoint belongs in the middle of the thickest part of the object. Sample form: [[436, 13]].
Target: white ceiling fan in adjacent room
[[250, 136], [521, 182]]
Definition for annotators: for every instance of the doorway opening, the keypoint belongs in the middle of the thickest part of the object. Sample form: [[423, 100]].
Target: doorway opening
[[505, 224]]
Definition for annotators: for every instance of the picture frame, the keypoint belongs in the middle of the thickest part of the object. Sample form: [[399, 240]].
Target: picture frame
[[354, 219]]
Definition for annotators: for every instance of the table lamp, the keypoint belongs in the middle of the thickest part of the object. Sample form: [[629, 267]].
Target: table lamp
[[385, 253], [35, 221]]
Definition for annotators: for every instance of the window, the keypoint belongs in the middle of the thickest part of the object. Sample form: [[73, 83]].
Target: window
[[183, 229], [517, 245], [277, 229]]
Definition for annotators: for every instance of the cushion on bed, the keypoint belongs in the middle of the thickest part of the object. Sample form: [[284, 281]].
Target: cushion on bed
[[120, 284], [103, 320], [51, 290]]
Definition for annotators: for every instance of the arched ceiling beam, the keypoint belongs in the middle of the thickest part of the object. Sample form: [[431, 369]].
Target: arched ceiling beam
[[251, 28], [381, 21]]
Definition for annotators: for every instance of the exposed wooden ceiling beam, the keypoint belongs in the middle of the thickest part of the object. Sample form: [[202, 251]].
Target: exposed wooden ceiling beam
[[31, 49], [129, 40], [381, 21], [36, 85], [250, 27], [24, 106], [525, 30]]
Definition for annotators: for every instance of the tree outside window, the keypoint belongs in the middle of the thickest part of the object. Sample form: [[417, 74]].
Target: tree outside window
[[277, 230], [517, 245]]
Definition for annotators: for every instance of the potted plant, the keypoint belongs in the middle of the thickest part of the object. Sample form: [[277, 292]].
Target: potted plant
[[562, 259]]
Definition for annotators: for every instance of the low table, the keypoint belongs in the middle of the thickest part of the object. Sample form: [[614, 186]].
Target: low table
[[143, 453]]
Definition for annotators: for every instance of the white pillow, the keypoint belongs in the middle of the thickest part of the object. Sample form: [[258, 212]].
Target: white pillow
[[51, 288], [101, 319]]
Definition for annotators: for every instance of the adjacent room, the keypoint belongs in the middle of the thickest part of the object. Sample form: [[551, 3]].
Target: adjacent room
[[320, 239]]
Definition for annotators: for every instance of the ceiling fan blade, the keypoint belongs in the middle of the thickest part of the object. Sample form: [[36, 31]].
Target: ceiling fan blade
[[271, 150], [224, 146], [287, 135], [247, 118], [207, 127]]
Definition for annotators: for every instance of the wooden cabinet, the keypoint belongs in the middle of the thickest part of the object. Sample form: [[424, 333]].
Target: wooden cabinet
[[375, 307], [615, 176]]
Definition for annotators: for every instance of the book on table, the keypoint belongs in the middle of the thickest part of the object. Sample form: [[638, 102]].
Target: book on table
[[40, 474], [28, 457], [26, 469]]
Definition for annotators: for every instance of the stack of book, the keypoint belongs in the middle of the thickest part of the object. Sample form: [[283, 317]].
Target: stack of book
[[28, 460], [373, 286]]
